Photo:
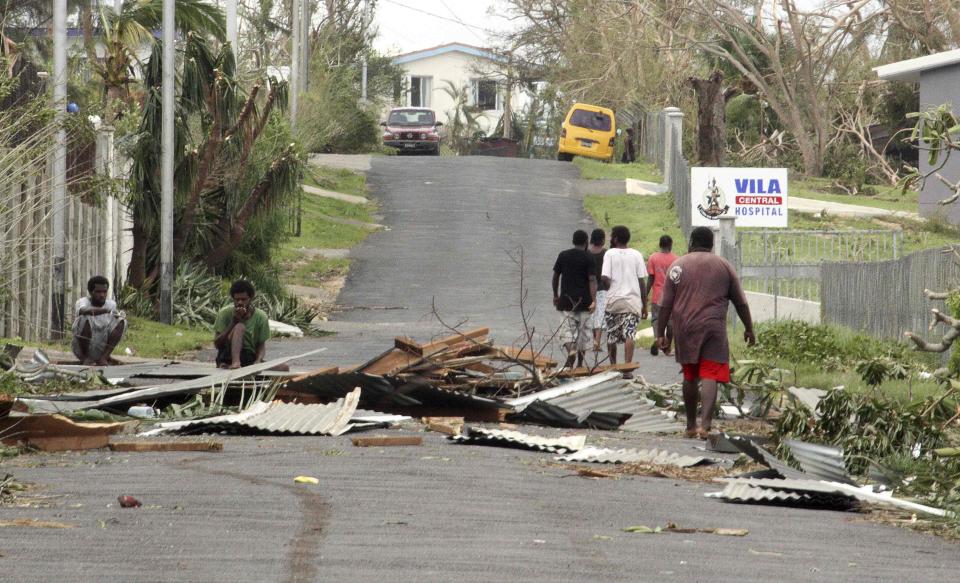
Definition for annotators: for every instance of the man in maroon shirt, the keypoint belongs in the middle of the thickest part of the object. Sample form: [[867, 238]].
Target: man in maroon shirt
[[695, 295]]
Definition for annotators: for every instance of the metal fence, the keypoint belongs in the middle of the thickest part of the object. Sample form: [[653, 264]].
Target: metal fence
[[788, 262], [885, 298]]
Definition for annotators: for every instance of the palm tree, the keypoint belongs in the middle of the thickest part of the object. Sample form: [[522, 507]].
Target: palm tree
[[128, 32], [462, 121], [224, 178]]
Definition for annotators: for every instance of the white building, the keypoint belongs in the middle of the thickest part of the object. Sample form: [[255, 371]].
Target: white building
[[430, 75]]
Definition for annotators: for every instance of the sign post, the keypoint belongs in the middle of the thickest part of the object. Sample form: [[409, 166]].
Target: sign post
[[757, 197]]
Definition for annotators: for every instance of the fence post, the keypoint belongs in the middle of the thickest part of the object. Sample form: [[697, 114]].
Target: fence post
[[105, 166], [673, 131], [728, 250]]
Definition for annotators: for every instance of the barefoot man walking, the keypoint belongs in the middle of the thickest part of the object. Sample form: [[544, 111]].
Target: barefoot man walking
[[695, 294]]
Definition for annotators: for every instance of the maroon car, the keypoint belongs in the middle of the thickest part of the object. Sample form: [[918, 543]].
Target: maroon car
[[412, 129]]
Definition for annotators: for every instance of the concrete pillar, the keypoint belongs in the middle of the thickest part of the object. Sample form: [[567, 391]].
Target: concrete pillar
[[105, 166], [672, 129], [728, 239]]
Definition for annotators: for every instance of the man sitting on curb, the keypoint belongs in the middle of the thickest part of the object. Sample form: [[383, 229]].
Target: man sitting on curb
[[97, 326], [241, 331], [696, 293]]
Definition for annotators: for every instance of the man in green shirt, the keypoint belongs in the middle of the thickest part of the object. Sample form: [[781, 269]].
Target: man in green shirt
[[241, 331]]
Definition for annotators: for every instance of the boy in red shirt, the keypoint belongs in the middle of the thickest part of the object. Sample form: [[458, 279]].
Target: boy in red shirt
[[657, 266]]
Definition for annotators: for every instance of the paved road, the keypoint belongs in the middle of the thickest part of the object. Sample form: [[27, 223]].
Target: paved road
[[456, 226], [440, 511]]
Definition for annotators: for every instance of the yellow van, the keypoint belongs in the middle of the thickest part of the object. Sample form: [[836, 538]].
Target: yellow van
[[588, 131]]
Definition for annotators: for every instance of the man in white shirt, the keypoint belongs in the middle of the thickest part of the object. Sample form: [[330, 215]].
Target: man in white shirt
[[623, 272], [97, 325]]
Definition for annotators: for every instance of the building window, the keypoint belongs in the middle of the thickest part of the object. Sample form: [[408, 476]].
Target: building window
[[419, 92], [486, 96]]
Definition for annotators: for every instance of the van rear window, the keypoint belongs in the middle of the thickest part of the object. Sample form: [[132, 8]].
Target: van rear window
[[593, 120]]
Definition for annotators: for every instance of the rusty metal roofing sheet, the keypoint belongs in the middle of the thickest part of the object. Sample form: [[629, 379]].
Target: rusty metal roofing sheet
[[820, 461], [480, 436], [275, 418], [380, 392], [607, 405], [630, 456]]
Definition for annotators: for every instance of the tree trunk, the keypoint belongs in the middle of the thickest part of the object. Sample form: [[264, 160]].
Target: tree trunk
[[711, 119], [137, 271]]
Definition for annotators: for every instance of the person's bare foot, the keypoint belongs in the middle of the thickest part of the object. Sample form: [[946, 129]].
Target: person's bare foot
[[704, 433], [234, 365], [89, 362], [103, 362], [691, 433]]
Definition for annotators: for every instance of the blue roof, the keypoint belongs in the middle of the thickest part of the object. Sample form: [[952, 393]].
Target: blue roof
[[443, 49]]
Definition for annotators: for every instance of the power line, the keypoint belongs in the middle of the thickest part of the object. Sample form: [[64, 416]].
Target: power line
[[457, 18], [441, 17]]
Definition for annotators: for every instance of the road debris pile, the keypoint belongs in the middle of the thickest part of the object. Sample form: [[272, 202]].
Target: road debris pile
[[446, 382]]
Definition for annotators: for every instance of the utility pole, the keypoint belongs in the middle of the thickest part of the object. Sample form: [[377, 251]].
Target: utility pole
[[168, 91], [58, 223], [305, 16], [294, 78], [232, 26], [363, 75]]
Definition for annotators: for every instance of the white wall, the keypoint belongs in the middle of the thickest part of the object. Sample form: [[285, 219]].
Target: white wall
[[762, 308], [459, 68]]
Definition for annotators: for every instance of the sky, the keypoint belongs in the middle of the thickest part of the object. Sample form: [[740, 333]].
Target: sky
[[410, 25]]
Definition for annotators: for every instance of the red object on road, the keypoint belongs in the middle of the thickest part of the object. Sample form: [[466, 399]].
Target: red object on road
[[128, 502]]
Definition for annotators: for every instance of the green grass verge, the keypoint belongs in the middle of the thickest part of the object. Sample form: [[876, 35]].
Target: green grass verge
[[647, 217], [318, 231], [886, 197], [595, 169], [146, 338]]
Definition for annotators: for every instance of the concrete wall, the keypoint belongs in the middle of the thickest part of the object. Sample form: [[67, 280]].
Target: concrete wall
[[459, 68], [762, 308], [937, 87]]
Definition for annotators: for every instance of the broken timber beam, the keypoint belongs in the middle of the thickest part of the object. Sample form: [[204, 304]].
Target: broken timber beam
[[584, 371], [386, 441], [525, 355], [141, 446]]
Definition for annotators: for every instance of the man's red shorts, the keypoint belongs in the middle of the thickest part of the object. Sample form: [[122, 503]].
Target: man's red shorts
[[707, 369]]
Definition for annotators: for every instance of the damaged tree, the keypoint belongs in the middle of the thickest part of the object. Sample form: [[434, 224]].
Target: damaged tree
[[711, 118], [937, 132]]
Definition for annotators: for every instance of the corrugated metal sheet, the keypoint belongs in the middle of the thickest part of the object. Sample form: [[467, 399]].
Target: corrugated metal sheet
[[380, 392], [479, 436], [807, 493], [809, 398], [275, 418], [762, 456], [605, 405], [564, 389], [820, 461], [629, 456]]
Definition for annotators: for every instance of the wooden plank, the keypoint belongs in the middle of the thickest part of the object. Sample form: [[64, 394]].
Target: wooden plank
[[408, 344], [583, 371], [481, 368], [525, 355], [70, 443], [386, 441], [139, 446], [476, 334], [391, 363], [445, 425], [315, 373]]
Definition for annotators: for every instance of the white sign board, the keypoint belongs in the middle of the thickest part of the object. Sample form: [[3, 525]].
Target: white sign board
[[756, 196]]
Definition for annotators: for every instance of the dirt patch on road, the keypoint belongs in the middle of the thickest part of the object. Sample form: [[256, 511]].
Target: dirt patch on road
[[305, 545]]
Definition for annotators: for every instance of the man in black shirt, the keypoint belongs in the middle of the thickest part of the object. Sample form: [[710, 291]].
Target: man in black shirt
[[574, 292]]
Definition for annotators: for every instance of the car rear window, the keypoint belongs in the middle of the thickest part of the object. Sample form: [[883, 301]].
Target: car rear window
[[593, 120], [412, 117]]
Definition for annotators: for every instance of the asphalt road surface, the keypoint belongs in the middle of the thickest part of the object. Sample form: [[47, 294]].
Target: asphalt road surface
[[440, 511]]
